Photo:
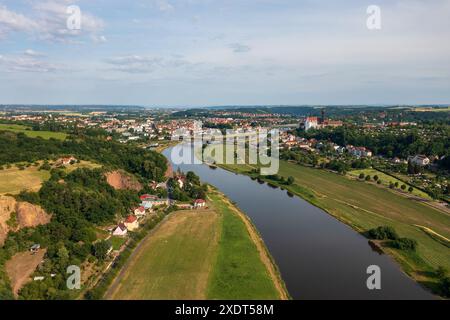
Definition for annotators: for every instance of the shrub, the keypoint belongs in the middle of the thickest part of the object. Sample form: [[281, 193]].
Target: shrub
[[396, 184], [375, 177], [361, 175], [405, 244], [441, 272], [368, 178], [379, 181], [391, 185], [383, 233], [445, 286], [410, 189], [403, 186]]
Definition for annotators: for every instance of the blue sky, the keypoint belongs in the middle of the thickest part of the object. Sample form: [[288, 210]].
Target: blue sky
[[217, 52]]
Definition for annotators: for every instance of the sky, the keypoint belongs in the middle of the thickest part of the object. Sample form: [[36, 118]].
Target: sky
[[224, 52]]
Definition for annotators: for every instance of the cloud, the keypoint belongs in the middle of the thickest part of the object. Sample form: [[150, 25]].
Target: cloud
[[239, 47], [14, 22], [32, 53], [164, 5], [145, 64], [26, 63], [49, 22]]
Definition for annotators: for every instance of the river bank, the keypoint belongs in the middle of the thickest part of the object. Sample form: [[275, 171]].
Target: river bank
[[420, 265]]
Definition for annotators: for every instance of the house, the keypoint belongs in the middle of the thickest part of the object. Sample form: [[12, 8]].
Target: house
[[359, 152], [35, 248], [67, 160], [139, 211], [121, 230], [420, 160], [148, 197], [185, 206], [147, 204], [199, 203], [311, 123], [131, 223]]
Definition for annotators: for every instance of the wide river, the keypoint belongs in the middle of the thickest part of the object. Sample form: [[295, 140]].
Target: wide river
[[318, 256]]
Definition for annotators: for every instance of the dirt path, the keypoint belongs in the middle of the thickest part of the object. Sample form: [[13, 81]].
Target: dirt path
[[262, 250]]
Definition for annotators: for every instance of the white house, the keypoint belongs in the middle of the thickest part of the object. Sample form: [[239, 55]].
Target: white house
[[140, 211], [199, 203], [420, 160], [120, 231]]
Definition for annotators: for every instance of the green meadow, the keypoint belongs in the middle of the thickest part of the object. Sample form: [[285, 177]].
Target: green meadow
[[31, 133]]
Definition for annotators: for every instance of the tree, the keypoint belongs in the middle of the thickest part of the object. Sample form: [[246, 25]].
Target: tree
[[396, 184], [290, 180], [361, 175], [375, 177], [368, 178], [410, 189], [403, 186], [379, 181], [100, 249], [391, 185], [405, 244]]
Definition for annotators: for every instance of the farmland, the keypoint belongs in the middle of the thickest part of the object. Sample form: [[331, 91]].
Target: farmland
[[364, 206], [202, 254], [14, 180], [31, 133]]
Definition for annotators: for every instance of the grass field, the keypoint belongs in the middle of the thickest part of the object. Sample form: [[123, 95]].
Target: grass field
[[238, 272], [196, 254], [364, 206], [386, 179], [117, 242], [32, 134], [13, 180]]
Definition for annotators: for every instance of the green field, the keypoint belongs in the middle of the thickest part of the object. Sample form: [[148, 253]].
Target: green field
[[32, 134], [14, 180], [196, 254], [386, 179], [238, 271], [364, 206], [117, 242]]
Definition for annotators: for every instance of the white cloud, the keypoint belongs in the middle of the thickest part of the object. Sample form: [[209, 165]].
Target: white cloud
[[145, 64], [27, 64], [32, 53], [49, 22], [14, 22], [239, 47]]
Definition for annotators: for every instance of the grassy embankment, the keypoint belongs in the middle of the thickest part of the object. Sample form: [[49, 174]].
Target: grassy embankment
[[31, 133], [364, 206], [197, 254], [14, 180]]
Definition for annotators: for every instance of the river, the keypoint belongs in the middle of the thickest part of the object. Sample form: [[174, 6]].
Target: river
[[318, 256]]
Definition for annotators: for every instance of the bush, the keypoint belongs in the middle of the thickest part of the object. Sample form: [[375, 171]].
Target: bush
[[375, 177], [290, 180], [441, 272], [368, 178], [403, 186], [361, 175], [445, 286], [379, 181], [391, 185], [396, 184], [405, 244], [410, 189], [383, 233]]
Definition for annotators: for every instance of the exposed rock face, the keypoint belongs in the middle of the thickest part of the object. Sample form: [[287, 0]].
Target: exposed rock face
[[7, 206], [120, 180], [27, 215]]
